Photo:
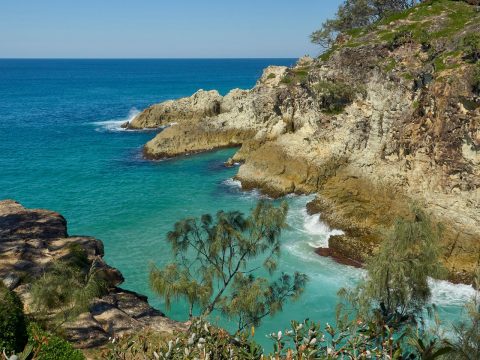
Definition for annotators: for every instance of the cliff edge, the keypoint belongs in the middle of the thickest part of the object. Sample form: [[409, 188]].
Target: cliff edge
[[32, 240]]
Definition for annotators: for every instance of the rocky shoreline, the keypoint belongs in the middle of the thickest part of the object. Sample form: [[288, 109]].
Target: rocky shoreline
[[370, 128], [32, 239]]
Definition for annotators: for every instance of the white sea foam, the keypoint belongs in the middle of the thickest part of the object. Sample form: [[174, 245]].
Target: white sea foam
[[250, 194], [233, 183], [115, 124], [445, 293]]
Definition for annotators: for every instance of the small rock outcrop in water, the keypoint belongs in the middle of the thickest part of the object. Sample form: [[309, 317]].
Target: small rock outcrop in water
[[31, 240], [389, 117]]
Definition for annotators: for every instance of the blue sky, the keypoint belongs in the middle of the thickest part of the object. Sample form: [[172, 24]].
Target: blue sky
[[160, 28]]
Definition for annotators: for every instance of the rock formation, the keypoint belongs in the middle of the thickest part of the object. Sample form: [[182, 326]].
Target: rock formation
[[31, 240], [388, 117]]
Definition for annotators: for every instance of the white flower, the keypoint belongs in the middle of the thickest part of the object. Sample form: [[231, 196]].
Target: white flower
[[279, 335], [156, 355], [313, 341], [299, 327], [191, 340], [329, 351]]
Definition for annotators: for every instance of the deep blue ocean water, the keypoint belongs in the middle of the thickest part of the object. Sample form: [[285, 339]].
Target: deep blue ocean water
[[61, 148]]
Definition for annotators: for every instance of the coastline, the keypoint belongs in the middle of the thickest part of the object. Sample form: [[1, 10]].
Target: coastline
[[353, 160]]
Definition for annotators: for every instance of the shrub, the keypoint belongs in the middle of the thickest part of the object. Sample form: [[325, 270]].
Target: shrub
[[295, 76], [12, 321], [471, 44], [50, 347], [201, 341], [399, 39], [334, 96], [476, 80]]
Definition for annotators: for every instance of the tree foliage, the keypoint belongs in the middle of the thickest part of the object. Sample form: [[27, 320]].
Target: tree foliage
[[354, 14], [466, 345], [216, 259], [396, 289]]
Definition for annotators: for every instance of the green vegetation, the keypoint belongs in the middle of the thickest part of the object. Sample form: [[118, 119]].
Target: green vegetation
[[271, 76], [380, 319], [28, 341], [216, 260], [397, 283], [295, 76], [65, 290], [400, 38], [46, 346], [12, 322], [334, 96], [356, 14], [471, 44], [476, 80], [467, 334]]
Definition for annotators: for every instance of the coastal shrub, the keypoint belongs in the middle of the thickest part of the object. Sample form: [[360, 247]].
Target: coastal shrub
[[471, 44], [271, 76], [46, 346], [476, 80], [295, 76], [12, 321], [65, 291], [334, 96], [216, 261], [401, 38]]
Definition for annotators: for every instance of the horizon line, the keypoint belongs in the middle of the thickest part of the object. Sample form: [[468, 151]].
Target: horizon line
[[146, 58]]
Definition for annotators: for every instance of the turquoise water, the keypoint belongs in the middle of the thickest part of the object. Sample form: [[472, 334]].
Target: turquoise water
[[61, 148]]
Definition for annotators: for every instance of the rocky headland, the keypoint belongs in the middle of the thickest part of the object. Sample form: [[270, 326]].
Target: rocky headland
[[388, 117], [32, 240]]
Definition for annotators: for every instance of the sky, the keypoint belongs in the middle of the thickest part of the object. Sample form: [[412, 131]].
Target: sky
[[160, 28]]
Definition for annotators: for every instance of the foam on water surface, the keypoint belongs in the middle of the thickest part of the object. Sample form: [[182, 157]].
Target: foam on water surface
[[115, 125]]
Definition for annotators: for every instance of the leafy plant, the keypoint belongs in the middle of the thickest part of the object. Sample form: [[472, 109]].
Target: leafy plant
[[45, 346], [215, 261], [12, 321]]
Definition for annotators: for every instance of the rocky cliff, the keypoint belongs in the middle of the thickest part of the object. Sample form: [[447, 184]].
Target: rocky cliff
[[32, 240], [388, 117]]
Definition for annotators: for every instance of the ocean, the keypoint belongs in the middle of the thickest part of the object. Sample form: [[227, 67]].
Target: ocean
[[62, 148]]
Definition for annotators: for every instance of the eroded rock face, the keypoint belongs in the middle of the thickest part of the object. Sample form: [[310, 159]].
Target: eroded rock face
[[408, 132], [31, 240]]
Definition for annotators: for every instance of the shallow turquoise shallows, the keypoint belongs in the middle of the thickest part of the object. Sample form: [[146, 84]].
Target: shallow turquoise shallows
[[61, 148]]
